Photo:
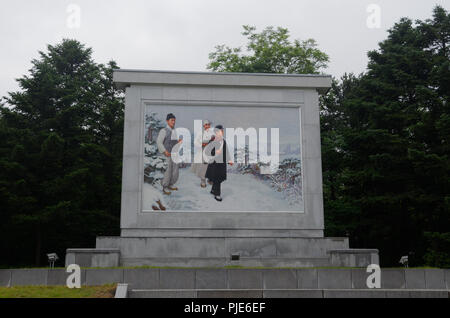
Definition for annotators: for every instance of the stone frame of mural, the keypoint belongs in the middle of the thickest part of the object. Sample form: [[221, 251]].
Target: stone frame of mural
[[144, 88]]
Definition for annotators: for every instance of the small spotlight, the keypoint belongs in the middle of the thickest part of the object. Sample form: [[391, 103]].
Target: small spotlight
[[52, 258], [235, 257], [404, 261]]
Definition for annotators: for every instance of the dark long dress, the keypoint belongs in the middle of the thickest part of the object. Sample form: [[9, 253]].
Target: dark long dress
[[217, 171]]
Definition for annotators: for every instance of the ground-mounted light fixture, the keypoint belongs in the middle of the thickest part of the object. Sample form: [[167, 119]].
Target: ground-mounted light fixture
[[52, 258], [404, 261]]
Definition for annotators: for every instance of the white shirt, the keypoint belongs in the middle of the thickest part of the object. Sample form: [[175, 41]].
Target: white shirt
[[201, 139]]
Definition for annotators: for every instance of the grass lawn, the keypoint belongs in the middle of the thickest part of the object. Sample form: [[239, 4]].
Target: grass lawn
[[107, 291]]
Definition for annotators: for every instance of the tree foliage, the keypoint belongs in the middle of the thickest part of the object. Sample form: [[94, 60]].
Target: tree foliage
[[60, 155], [270, 51], [385, 138]]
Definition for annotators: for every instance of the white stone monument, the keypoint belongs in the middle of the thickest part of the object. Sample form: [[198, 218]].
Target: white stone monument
[[257, 235]]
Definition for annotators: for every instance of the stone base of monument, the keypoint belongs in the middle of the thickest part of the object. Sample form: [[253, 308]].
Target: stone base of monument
[[222, 251]]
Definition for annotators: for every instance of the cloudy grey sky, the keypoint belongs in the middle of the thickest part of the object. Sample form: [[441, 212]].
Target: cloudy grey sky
[[179, 34]]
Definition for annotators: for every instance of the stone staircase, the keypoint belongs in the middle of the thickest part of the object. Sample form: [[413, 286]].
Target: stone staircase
[[217, 251]]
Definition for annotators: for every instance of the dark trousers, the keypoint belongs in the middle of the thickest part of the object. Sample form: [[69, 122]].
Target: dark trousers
[[216, 188]]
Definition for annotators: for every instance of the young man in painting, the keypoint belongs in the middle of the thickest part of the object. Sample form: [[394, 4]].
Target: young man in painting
[[217, 169], [199, 166], [167, 139]]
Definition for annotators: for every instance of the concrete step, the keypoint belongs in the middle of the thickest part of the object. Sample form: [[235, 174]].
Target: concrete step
[[221, 251], [288, 293], [139, 250]]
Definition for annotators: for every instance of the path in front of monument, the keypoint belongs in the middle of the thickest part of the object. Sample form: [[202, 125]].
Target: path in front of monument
[[240, 193]]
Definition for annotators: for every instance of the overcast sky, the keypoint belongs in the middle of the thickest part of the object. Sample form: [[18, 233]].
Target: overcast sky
[[179, 34]]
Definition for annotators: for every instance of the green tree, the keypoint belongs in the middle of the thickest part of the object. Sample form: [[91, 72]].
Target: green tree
[[393, 140], [60, 184], [270, 51], [341, 211]]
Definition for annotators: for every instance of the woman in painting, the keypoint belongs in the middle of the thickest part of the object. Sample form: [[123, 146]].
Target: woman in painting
[[217, 167]]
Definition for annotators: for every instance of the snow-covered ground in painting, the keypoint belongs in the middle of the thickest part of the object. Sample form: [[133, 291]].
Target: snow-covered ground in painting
[[240, 193], [150, 197]]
